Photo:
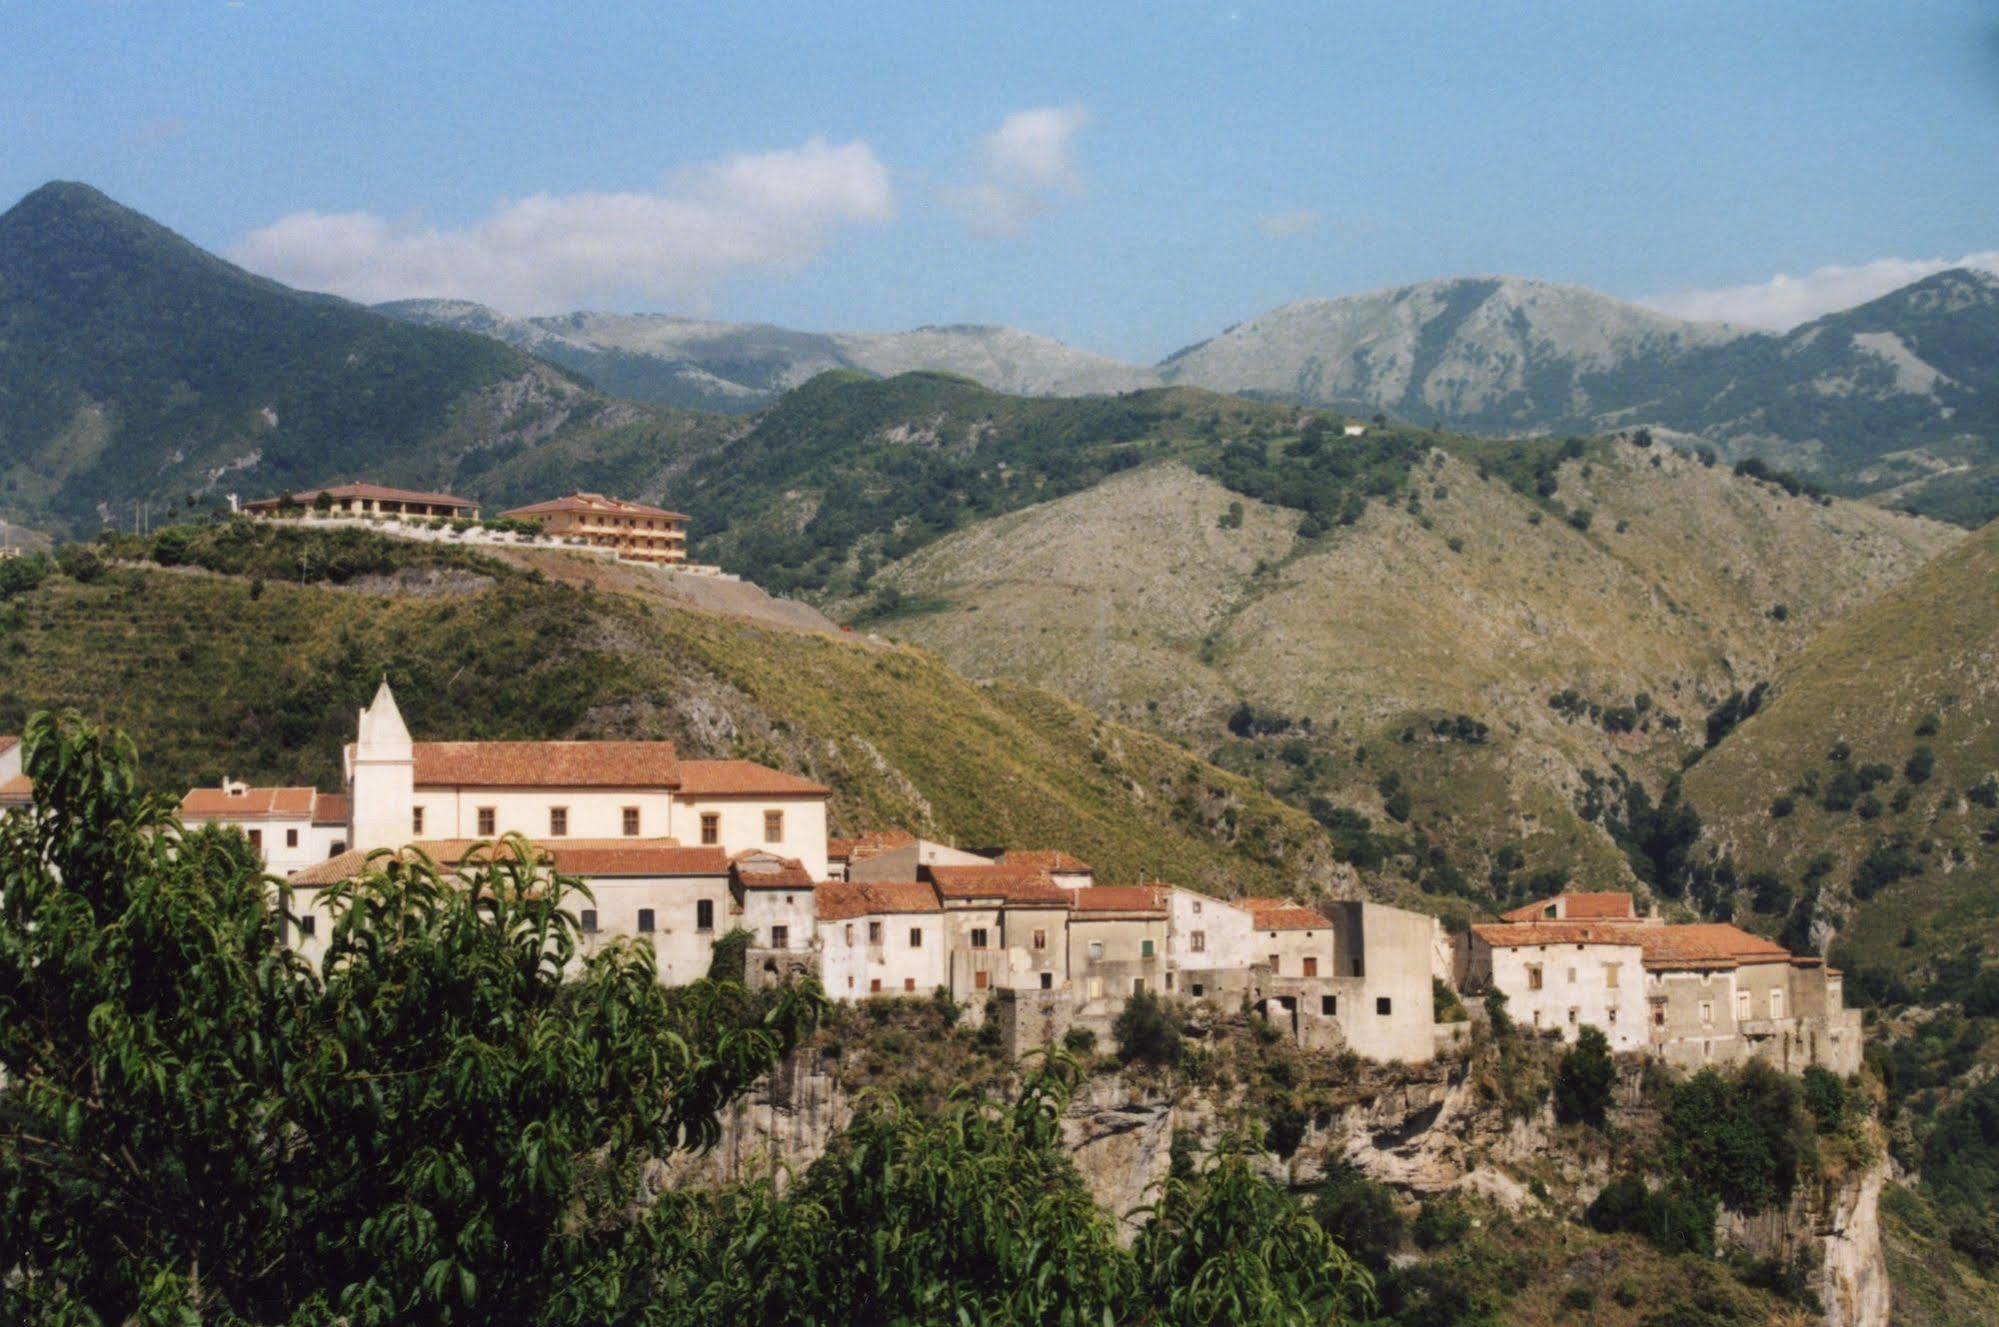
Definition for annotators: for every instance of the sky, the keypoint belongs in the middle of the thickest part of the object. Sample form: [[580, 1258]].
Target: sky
[[1127, 178]]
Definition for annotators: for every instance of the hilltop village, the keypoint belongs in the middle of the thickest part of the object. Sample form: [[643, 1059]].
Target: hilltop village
[[679, 853]]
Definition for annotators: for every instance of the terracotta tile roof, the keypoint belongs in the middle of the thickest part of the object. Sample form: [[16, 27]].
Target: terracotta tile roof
[[1282, 914], [8, 742], [1050, 860], [342, 866], [743, 778], [837, 901], [872, 844], [16, 790], [547, 765], [1009, 884], [249, 804], [639, 857], [378, 492], [763, 870], [1696, 945], [331, 809], [595, 503], [1120, 898], [1577, 907]]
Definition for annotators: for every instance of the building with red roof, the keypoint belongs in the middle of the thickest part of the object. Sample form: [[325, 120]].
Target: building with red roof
[[632, 530], [369, 501]]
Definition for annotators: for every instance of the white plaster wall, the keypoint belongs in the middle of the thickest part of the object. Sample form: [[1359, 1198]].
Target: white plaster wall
[[315, 842], [789, 908], [1588, 993], [682, 951], [901, 968], [1225, 931], [594, 813], [742, 826], [1398, 949]]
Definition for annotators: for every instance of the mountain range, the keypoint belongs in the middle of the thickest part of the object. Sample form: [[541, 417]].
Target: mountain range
[[1897, 398]]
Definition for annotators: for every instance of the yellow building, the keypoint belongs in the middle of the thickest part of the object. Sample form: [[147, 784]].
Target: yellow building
[[632, 529]]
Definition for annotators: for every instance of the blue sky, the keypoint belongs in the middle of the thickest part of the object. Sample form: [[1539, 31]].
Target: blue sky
[[1127, 178]]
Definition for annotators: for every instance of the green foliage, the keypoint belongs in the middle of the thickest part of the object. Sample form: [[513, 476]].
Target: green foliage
[[1445, 1006], [1724, 718], [1827, 1098], [1674, 1219], [1585, 1079], [1360, 1215], [1329, 479], [1495, 1012], [1961, 1172], [729, 960], [1742, 1139], [438, 1124], [1146, 1032], [1079, 1041], [1440, 1223]]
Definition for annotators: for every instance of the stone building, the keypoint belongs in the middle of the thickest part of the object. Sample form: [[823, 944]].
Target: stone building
[[1691, 994]]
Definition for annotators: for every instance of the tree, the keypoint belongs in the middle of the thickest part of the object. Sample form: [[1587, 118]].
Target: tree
[[1585, 1079], [439, 1124], [1146, 1031]]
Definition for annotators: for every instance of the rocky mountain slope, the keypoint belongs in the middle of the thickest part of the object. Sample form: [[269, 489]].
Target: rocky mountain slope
[[1457, 665], [710, 365], [136, 368]]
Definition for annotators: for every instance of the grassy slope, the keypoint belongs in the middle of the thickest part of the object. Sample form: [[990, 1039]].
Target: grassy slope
[[219, 675], [1144, 598], [1928, 647]]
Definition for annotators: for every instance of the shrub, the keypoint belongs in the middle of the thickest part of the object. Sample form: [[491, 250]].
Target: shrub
[[1674, 1219], [1359, 1214], [1921, 764], [1146, 1032], [1825, 1097], [1495, 1012], [1584, 1082], [1441, 1223], [1079, 1041], [1742, 1140]]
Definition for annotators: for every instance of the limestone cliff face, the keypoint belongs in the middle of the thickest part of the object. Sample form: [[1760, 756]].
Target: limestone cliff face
[[1423, 1130]]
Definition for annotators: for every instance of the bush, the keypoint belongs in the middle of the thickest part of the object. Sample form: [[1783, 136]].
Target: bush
[[1585, 1080], [1359, 1214], [1920, 765], [1495, 1012], [1825, 1097], [1673, 1220], [1079, 1041], [1743, 1140], [1146, 1032], [1441, 1223]]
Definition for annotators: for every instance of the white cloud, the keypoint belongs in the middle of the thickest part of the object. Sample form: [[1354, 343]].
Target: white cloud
[[1783, 301], [549, 253], [1026, 166], [1283, 225]]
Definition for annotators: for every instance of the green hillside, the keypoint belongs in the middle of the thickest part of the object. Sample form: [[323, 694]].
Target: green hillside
[[221, 665], [136, 368]]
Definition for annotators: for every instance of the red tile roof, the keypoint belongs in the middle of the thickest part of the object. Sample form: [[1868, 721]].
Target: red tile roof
[[378, 492], [837, 901], [1120, 898], [871, 844], [635, 857], [593, 503], [743, 778], [547, 765], [1577, 907], [1009, 884], [16, 790], [331, 809], [8, 742], [1052, 860], [249, 804], [1282, 914], [763, 870], [1696, 945]]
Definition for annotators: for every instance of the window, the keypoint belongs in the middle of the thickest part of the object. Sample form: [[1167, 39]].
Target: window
[[874, 933], [704, 914], [558, 821], [1311, 966], [335, 848], [916, 937], [257, 839], [1610, 976], [1550, 912], [773, 827], [1776, 1004], [1197, 907], [416, 820], [487, 816], [1138, 985], [645, 921], [1572, 1016], [1707, 1013], [1145, 949], [1041, 939], [978, 937], [291, 838], [631, 816], [1096, 949], [589, 921], [1276, 964], [1197, 942], [711, 829], [780, 937], [979, 980], [307, 925], [874, 985], [849, 938], [1742, 1006], [1329, 1005], [1533, 976], [1659, 1017], [1360, 967], [1047, 981], [1572, 976], [1199, 990], [909, 983], [1610, 1015], [1383, 1005]]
